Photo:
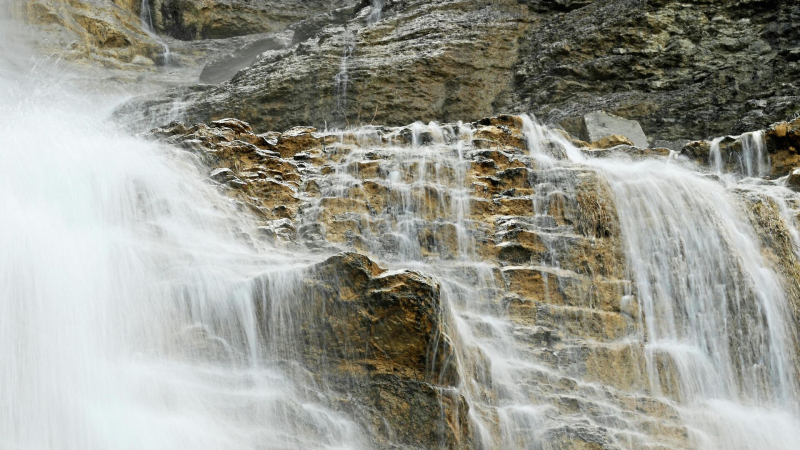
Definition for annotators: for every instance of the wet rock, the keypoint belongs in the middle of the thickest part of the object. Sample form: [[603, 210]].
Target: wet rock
[[697, 150], [794, 180], [783, 144], [676, 145], [611, 141], [413, 41], [225, 67], [93, 31], [552, 264], [669, 66], [377, 335]]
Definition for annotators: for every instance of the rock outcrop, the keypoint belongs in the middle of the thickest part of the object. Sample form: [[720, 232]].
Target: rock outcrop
[[93, 30], [683, 71], [601, 125], [776, 150], [559, 277], [377, 338], [217, 19]]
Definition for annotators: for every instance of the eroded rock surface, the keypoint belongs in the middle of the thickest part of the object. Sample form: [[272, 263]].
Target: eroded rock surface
[[684, 71], [216, 19], [375, 337], [508, 248]]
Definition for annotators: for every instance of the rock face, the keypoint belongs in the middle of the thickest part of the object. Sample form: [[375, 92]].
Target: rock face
[[683, 71], [419, 62], [98, 30], [774, 150], [215, 19], [377, 337]]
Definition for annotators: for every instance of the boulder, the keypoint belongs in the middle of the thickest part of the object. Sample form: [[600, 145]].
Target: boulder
[[600, 124]]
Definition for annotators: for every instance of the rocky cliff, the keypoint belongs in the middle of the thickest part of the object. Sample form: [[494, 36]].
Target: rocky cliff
[[684, 70]]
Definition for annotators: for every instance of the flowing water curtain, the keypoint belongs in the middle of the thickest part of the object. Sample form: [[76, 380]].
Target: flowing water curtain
[[717, 320], [128, 318]]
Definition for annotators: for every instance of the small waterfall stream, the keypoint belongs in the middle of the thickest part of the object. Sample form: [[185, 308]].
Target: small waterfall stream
[[717, 326], [146, 17]]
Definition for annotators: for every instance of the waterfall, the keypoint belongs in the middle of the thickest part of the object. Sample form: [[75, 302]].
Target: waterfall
[[752, 160], [146, 17], [429, 228], [342, 78], [587, 299], [375, 13], [715, 321], [127, 318]]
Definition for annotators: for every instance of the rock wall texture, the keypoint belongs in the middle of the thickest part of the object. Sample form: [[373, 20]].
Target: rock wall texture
[[215, 19], [684, 70], [93, 30], [551, 261]]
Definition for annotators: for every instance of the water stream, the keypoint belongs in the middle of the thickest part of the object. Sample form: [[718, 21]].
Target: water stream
[[146, 17]]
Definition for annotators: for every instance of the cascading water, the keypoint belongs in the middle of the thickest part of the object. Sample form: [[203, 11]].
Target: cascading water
[[428, 228], [342, 78], [715, 320], [375, 13], [127, 317], [138, 311], [711, 321], [751, 161]]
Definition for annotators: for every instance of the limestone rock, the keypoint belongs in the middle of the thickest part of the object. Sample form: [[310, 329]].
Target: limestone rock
[[419, 62], [783, 144], [601, 125], [93, 31], [611, 141]]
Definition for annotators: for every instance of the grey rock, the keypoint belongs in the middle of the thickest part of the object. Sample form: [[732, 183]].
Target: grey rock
[[215, 19], [225, 67], [599, 124], [682, 70]]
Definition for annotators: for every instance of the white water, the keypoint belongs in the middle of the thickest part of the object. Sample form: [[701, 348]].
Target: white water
[[715, 320], [375, 13], [126, 292], [342, 78], [752, 161]]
